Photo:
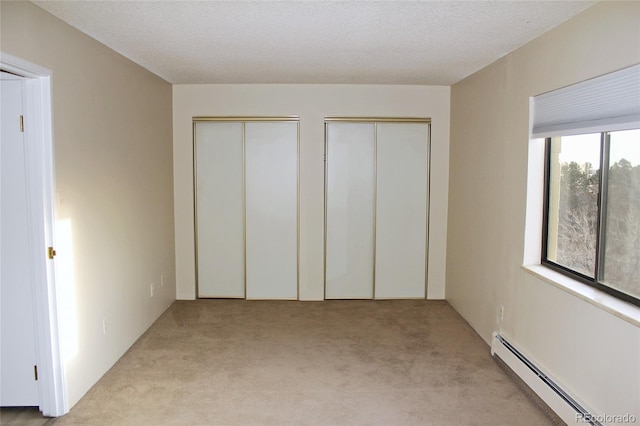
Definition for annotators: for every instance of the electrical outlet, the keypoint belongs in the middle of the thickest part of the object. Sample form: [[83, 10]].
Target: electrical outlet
[[501, 313], [104, 326], [152, 289]]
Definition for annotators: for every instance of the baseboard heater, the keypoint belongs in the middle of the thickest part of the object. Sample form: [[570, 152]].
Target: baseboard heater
[[564, 405]]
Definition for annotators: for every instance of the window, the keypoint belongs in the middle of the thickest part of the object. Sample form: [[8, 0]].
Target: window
[[592, 211], [591, 216]]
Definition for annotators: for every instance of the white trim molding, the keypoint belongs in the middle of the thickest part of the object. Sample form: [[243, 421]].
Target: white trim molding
[[40, 189]]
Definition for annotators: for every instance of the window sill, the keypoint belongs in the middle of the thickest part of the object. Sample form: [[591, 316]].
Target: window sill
[[604, 301]]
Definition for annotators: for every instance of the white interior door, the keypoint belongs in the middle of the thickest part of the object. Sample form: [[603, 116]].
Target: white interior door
[[271, 178], [17, 339], [220, 209], [350, 196], [401, 211]]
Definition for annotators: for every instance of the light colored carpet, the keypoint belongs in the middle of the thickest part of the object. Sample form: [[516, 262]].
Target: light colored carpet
[[236, 362], [23, 416]]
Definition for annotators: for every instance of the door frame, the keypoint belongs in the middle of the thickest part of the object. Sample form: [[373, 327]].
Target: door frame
[[244, 120], [375, 121], [40, 187]]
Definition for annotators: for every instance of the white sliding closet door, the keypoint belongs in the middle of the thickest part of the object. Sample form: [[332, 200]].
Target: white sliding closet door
[[350, 196], [401, 210], [219, 209], [271, 167]]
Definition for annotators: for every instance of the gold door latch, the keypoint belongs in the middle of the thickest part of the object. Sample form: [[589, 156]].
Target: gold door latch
[[51, 253]]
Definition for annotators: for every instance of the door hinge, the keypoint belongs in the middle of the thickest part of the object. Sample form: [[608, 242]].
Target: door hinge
[[22, 123], [51, 253], [35, 371]]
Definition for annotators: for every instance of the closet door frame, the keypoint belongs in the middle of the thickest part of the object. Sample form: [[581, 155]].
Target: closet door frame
[[376, 121], [244, 120]]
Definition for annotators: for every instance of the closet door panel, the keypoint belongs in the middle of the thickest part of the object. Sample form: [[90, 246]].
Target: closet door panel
[[219, 209], [401, 214], [350, 210], [271, 164]]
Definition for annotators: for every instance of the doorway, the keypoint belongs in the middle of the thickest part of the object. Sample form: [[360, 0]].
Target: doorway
[[376, 207], [246, 201], [35, 174]]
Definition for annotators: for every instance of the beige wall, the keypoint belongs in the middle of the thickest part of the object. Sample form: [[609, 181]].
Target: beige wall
[[113, 141], [113, 162], [595, 354], [312, 103]]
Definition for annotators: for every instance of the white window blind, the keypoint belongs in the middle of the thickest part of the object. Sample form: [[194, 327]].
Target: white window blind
[[606, 103]]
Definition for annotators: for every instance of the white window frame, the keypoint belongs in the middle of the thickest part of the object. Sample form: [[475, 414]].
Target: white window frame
[[536, 191]]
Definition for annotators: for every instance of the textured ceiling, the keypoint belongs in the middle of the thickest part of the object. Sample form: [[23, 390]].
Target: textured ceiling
[[361, 42]]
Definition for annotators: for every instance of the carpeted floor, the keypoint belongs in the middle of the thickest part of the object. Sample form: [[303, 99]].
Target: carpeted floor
[[236, 362], [23, 416]]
